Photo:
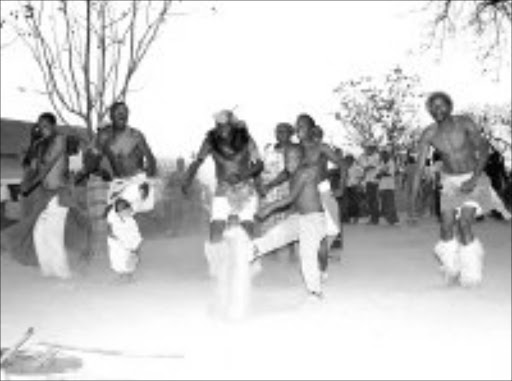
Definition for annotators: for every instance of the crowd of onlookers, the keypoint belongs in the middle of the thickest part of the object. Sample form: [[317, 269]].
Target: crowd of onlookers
[[379, 185]]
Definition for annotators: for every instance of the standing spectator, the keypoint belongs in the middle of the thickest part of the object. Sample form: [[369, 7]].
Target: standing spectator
[[335, 179], [370, 162], [428, 188], [386, 175], [352, 199], [175, 205]]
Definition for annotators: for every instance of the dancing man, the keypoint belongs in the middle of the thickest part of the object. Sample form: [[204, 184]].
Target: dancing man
[[39, 238], [465, 188], [317, 154], [132, 162], [237, 164]]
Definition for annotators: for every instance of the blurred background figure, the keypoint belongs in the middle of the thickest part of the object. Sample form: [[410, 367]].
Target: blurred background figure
[[386, 175], [354, 193], [370, 162]]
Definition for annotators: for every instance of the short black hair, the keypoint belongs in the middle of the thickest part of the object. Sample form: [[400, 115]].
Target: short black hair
[[308, 119], [286, 126], [116, 105], [439, 95], [49, 117]]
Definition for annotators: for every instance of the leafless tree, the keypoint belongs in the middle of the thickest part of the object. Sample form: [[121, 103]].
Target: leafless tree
[[87, 51], [488, 22]]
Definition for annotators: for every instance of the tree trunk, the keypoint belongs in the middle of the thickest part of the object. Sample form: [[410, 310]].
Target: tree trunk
[[87, 70]]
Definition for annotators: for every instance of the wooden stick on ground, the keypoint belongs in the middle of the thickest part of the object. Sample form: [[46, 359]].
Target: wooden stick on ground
[[12, 351]]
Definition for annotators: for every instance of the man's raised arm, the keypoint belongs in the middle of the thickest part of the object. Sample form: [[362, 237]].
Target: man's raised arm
[[331, 155], [256, 166]]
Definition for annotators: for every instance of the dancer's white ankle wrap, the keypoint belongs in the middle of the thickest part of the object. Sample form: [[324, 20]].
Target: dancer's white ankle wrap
[[448, 254], [471, 263]]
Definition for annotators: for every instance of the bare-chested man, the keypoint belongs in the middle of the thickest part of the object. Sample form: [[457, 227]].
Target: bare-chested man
[[465, 188], [307, 225], [317, 154], [125, 147], [237, 163], [132, 161], [39, 238]]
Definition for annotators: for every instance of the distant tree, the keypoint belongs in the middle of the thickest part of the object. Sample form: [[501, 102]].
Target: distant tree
[[87, 51], [487, 21], [383, 110]]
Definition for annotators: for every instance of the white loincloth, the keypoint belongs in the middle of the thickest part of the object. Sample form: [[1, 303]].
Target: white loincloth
[[234, 200], [330, 206], [452, 198], [123, 241], [129, 189], [49, 240]]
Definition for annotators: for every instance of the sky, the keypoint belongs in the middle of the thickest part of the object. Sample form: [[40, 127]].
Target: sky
[[272, 60]]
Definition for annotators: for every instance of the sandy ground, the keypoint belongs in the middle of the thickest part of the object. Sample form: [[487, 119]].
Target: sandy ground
[[387, 314]]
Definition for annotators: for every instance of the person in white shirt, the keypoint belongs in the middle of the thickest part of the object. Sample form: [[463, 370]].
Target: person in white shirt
[[370, 162], [355, 175], [386, 174]]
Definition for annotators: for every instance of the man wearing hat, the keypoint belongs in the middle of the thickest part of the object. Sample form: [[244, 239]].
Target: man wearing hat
[[465, 189], [237, 164]]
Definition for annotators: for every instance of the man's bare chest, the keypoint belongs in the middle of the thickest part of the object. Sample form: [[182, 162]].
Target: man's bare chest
[[450, 139], [124, 144]]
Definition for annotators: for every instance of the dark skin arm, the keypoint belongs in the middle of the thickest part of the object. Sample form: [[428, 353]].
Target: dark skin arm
[[282, 177], [330, 154], [256, 166], [58, 150], [191, 172], [482, 146], [286, 201], [148, 154]]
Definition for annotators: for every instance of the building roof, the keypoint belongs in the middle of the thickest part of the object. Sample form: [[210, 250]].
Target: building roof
[[15, 135]]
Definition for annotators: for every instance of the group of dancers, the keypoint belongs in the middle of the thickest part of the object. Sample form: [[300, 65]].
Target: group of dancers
[[310, 220]]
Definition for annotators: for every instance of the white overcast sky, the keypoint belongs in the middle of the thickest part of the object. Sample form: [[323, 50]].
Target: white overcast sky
[[272, 59]]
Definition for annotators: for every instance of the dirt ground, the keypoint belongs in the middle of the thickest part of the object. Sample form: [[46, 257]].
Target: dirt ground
[[386, 315]]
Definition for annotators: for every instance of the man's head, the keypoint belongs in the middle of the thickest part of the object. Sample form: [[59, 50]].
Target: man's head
[[349, 159], [47, 124], [305, 127], [293, 158], [224, 121], [119, 114], [370, 148], [439, 105], [385, 156], [284, 132]]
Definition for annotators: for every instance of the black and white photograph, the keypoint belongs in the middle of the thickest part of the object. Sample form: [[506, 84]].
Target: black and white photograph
[[256, 190]]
